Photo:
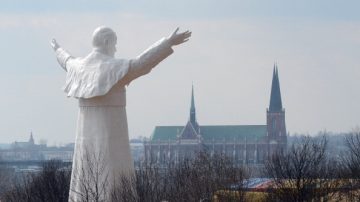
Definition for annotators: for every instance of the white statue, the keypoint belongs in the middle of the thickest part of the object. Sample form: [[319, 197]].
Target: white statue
[[98, 81]]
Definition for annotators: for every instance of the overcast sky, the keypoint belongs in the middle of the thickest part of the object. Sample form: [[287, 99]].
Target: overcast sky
[[229, 59]]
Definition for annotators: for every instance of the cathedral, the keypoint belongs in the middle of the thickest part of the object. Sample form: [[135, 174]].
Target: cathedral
[[244, 144]]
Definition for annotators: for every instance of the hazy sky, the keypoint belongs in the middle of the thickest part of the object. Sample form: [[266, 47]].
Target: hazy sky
[[229, 59]]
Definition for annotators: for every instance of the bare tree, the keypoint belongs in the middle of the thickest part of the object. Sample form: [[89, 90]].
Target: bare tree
[[125, 189], [50, 184], [352, 158], [189, 180], [91, 180], [199, 179], [302, 173], [351, 165], [6, 175]]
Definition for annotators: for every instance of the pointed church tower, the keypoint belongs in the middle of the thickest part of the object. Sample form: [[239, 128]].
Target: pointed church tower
[[31, 140], [192, 117], [276, 128], [192, 129], [275, 97]]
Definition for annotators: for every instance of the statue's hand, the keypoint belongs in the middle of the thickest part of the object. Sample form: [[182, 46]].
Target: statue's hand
[[54, 44], [179, 38]]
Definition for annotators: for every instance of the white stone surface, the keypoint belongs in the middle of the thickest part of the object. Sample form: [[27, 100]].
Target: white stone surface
[[99, 81]]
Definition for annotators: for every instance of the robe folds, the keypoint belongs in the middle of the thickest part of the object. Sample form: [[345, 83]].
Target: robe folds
[[102, 151]]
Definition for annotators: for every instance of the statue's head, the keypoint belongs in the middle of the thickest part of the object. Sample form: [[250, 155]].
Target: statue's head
[[104, 40]]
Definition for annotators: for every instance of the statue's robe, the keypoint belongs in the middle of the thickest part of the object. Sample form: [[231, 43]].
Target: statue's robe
[[98, 81]]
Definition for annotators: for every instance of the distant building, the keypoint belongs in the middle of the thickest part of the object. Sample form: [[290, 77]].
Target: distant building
[[29, 145], [29, 151], [245, 144]]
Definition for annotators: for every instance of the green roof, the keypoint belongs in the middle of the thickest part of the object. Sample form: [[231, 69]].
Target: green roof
[[209, 133]]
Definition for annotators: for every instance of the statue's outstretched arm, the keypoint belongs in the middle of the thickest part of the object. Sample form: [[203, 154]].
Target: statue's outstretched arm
[[152, 56], [62, 55]]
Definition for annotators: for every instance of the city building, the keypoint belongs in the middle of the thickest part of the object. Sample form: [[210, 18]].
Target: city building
[[245, 144], [29, 151]]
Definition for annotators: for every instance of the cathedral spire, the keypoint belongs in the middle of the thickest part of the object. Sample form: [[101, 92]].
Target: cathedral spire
[[275, 97], [192, 107], [31, 140]]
